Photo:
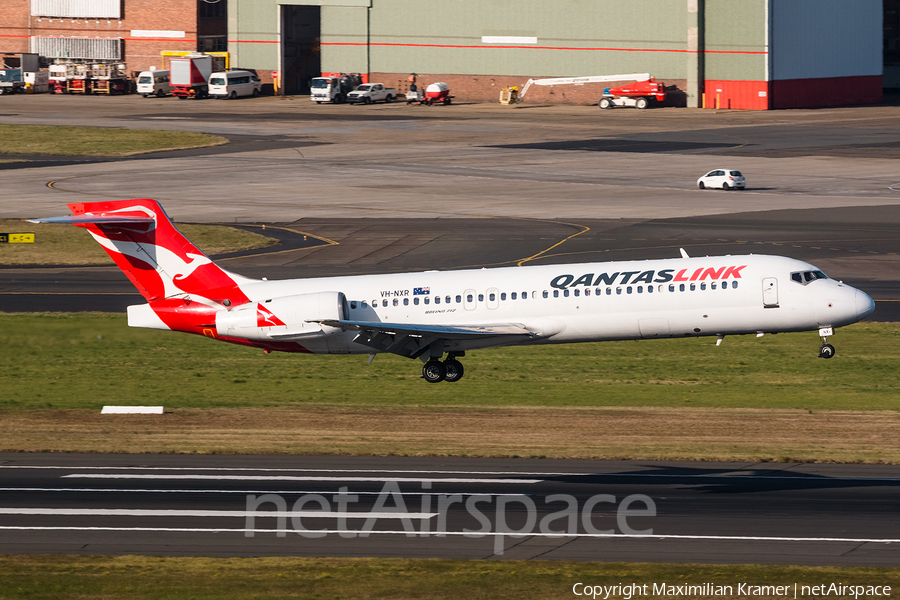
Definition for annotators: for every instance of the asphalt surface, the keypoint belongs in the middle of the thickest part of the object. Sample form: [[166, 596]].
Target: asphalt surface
[[225, 506], [409, 188]]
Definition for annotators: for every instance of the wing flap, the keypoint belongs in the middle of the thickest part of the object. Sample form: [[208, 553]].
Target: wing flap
[[448, 332]]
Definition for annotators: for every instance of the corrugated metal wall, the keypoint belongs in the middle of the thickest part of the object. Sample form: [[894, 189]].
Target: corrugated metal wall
[[77, 9], [80, 48], [565, 37], [826, 38]]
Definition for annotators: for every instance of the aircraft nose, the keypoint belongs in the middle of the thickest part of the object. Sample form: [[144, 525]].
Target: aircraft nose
[[865, 306]]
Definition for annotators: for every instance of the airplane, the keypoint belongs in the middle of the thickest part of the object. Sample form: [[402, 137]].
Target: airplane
[[428, 314]]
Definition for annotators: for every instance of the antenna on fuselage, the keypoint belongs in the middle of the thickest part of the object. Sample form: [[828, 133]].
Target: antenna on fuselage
[[683, 253]]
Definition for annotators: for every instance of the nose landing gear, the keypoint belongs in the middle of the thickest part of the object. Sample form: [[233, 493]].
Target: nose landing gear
[[827, 350], [450, 370]]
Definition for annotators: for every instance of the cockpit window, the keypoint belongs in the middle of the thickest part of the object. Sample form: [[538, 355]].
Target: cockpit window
[[805, 277]]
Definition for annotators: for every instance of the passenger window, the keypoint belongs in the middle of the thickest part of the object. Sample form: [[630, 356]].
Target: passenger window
[[406, 302], [712, 285], [353, 305], [374, 303], [470, 298], [364, 305], [587, 291], [566, 293], [609, 291], [546, 294], [556, 293], [649, 289], [396, 302], [618, 290], [447, 299], [502, 296], [458, 299], [437, 299], [481, 297], [693, 287], [492, 296], [416, 301], [671, 287], [384, 302], [702, 286], [512, 296], [734, 284], [628, 289], [640, 289], [525, 295], [427, 300], [577, 293], [681, 287]]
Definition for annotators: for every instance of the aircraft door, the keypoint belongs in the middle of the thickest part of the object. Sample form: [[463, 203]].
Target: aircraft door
[[469, 301], [770, 292], [493, 298]]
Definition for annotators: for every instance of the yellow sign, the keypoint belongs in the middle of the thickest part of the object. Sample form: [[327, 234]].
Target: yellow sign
[[16, 238]]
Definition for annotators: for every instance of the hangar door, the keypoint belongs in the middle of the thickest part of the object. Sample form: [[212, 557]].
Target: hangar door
[[300, 50]]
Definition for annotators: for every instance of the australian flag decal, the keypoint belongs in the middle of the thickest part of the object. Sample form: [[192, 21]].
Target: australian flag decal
[[424, 291]]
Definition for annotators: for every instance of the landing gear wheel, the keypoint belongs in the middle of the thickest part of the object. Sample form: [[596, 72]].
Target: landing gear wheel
[[726, 187], [434, 371], [826, 351], [453, 370], [701, 185], [641, 103], [605, 103]]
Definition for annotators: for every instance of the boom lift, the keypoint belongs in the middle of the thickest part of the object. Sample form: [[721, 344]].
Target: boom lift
[[638, 94]]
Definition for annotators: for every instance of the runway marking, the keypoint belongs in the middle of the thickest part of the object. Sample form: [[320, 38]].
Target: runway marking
[[543, 475], [477, 534], [128, 512], [296, 478], [279, 492]]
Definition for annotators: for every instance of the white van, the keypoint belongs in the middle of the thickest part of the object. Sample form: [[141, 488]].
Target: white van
[[231, 84], [153, 83]]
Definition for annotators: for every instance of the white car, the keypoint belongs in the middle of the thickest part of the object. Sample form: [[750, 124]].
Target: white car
[[722, 178]]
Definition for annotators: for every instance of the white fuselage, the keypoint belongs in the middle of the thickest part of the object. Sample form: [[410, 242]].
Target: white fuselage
[[683, 297]]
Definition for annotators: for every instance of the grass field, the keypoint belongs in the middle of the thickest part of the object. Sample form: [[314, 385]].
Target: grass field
[[61, 244], [153, 578], [97, 141], [86, 361], [751, 399]]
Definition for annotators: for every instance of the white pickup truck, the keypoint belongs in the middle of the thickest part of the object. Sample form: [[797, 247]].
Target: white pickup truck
[[368, 93]]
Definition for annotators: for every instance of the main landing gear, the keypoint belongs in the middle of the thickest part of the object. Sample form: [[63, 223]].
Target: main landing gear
[[450, 369]]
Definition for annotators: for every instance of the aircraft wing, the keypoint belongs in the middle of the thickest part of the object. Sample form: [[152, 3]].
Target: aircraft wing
[[414, 339], [449, 332]]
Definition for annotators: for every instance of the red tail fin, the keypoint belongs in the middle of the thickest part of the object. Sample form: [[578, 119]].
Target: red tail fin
[[156, 257]]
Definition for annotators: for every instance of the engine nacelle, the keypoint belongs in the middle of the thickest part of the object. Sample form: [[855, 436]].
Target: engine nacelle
[[286, 318]]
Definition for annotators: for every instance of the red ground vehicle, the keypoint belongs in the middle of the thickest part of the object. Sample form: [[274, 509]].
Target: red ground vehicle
[[189, 75], [435, 93], [639, 94]]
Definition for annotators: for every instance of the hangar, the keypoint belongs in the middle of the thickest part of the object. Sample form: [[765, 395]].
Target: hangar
[[747, 54]]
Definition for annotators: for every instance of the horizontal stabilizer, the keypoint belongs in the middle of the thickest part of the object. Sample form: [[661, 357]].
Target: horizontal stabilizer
[[97, 219]]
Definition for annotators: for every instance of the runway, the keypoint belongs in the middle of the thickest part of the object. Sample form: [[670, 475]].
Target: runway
[[228, 506]]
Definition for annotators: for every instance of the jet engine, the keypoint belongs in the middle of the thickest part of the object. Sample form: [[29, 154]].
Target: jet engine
[[286, 318]]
